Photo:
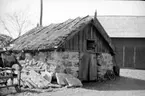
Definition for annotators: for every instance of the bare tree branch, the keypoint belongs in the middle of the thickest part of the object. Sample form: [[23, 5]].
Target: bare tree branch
[[15, 22], [5, 27]]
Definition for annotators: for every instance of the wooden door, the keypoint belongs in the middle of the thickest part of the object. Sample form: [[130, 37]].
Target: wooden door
[[88, 67], [93, 67]]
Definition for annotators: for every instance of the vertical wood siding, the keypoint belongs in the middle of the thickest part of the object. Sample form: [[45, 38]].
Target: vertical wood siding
[[78, 41], [130, 52]]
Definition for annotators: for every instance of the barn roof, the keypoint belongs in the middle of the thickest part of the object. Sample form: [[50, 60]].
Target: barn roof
[[48, 37], [124, 26]]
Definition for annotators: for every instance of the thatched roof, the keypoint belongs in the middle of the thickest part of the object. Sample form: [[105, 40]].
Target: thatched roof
[[48, 37], [4, 40]]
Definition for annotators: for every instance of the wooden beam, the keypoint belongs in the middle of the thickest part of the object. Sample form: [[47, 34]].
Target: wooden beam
[[123, 56], [9, 86], [95, 15], [41, 12], [134, 57], [91, 32]]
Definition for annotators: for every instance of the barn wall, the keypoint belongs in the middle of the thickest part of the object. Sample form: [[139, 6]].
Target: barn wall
[[130, 52], [78, 42]]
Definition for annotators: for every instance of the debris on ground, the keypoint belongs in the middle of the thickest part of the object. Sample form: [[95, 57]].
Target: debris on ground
[[68, 80]]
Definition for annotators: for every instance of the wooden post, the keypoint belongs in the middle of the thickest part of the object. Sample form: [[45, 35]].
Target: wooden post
[[91, 32], [95, 15], [41, 12], [134, 57], [19, 77], [123, 56]]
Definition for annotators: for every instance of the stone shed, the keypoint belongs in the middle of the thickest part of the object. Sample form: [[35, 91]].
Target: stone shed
[[65, 46]]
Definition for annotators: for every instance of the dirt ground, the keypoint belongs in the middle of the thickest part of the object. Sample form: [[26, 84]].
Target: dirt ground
[[130, 83]]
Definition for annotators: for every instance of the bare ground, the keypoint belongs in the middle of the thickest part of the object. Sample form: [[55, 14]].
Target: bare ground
[[130, 83]]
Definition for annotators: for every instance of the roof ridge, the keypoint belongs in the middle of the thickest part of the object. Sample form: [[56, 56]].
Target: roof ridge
[[120, 16], [71, 21], [60, 24], [81, 19]]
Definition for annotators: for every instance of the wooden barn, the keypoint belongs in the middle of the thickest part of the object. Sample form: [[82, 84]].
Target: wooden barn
[[128, 36], [68, 42]]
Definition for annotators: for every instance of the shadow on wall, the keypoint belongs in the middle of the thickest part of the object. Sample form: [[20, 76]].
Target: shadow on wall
[[121, 83]]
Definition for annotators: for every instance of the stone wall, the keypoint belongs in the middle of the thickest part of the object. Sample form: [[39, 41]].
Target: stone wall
[[60, 62], [105, 62]]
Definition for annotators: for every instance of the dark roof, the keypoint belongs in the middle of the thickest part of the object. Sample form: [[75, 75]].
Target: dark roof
[[48, 37], [124, 26], [4, 40]]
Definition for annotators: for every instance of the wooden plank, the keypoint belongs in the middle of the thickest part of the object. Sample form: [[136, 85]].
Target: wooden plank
[[5, 77], [129, 55], [96, 42], [76, 42], [87, 34], [7, 69], [19, 79], [9, 86], [80, 40], [94, 33], [65, 45], [134, 57], [69, 45], [103, 48], [119, 56], [72, 46], [84, 39], [140, 60], [97, 49], [100, 46], [123, 56], [91, 33]]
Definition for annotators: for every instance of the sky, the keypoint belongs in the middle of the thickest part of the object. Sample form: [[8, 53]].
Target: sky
[[56, 11]]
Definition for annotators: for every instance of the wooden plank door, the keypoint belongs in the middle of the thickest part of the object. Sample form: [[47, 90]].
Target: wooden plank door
[[93, 67]]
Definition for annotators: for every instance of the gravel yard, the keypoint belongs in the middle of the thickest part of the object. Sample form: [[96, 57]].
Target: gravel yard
[[131, 83]]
